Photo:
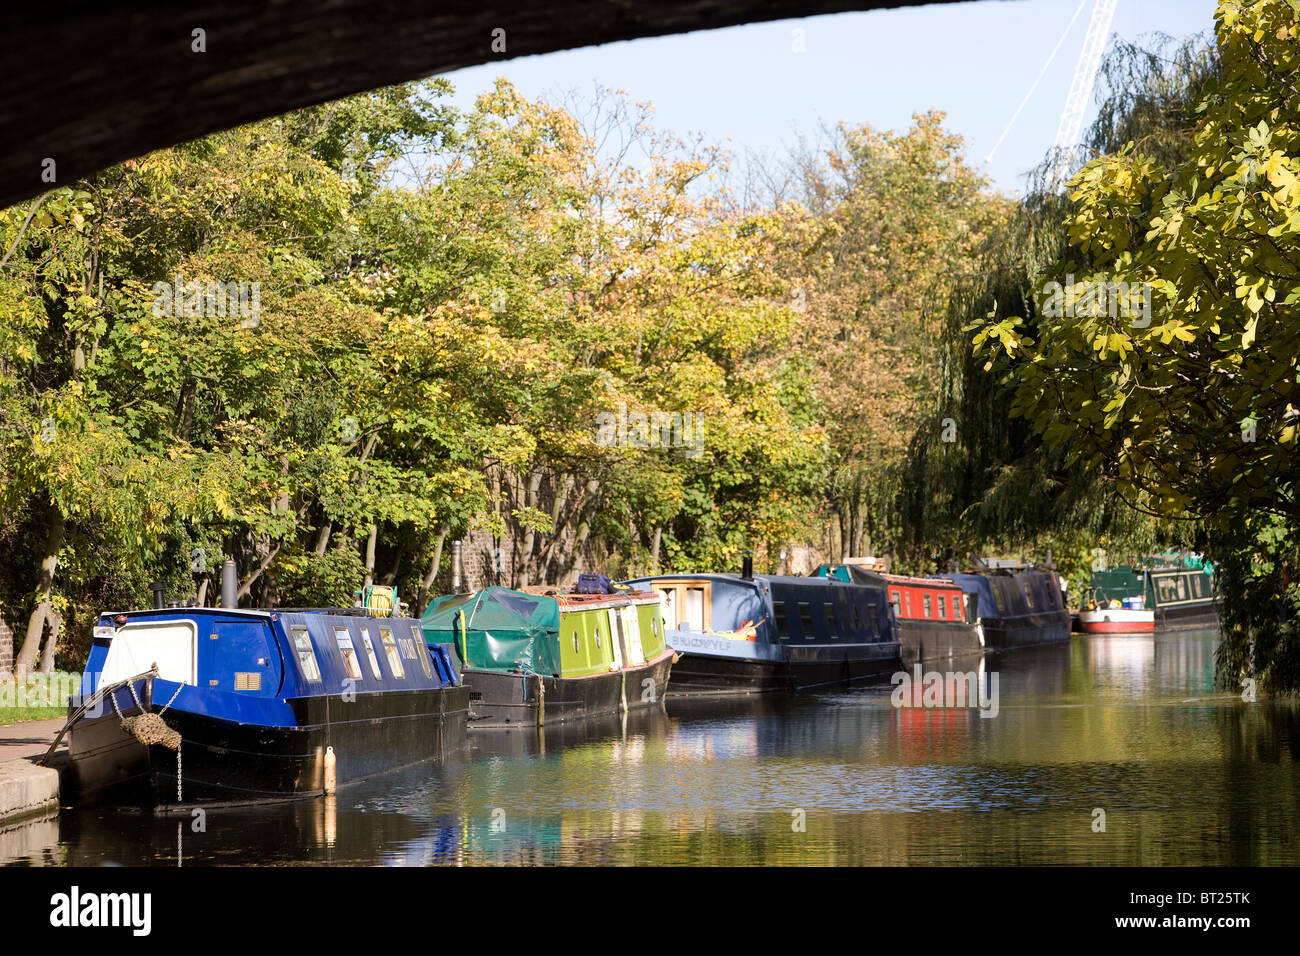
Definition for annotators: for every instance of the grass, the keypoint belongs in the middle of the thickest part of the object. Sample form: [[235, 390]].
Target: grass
[[40, 697], [13, 715]]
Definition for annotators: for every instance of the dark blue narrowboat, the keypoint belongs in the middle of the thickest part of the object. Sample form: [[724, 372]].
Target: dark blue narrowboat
[[745, 634], [192, 704], [1018, 606]]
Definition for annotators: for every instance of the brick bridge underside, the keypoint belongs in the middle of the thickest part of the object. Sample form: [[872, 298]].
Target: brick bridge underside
[[90, 83]]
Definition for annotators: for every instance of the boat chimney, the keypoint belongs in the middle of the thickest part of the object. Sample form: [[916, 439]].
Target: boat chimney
[[229, 584], [159, 591], [747, 566], [455, 567]]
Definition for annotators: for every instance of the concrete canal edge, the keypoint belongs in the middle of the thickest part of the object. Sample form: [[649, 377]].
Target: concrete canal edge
[[26, 789]]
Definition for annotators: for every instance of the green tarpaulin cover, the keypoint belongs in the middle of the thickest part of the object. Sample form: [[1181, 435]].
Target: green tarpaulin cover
[[498, 629]]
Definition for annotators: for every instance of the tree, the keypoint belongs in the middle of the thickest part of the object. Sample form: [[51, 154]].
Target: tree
[[1166, 356]]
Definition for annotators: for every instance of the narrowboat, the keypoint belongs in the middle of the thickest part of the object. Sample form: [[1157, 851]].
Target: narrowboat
[[531, 659], [933, 619], [1176, 593], [752, 633], [1018, 606], [183, 705]]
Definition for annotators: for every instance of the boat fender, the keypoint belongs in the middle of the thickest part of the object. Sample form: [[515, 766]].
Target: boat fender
[[331, 780]]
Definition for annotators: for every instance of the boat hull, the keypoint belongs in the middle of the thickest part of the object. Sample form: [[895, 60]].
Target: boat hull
[[1117, 621], [224, 761], [1027, 629], [925, 641], [766, 669], [828, 665], [1187, 617], [500, 700]]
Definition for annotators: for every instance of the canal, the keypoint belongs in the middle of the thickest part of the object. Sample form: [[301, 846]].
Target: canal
[[1125, 733]]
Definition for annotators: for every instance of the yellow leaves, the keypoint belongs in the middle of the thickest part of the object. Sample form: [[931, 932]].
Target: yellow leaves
[[1174, 329], [1248, 336]]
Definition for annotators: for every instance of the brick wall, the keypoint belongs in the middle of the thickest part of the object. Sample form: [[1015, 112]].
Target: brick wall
[[6, 647]]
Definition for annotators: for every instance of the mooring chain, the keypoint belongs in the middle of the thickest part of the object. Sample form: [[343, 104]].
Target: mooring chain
[[172, 701]]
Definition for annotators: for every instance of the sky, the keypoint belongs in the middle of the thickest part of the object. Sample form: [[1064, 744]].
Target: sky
[[747, 88]]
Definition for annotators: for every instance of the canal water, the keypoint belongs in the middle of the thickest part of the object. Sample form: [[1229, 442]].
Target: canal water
[[1122, 732]]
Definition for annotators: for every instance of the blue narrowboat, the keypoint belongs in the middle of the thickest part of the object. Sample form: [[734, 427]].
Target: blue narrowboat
[[750, 633], [197, 704], [1017, 606]]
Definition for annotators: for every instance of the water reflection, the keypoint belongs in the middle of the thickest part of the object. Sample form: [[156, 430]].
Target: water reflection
[[1133, 725]]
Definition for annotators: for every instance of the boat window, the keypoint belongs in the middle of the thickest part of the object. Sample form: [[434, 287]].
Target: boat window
[[943, 607], [344, 641], [805, 619], [1029, 595], [1182, 588], [997, 597], [306, 654], [782, 622], [575, 640], [897, 602], [390, 650], [370, 653], [870, 623], [925, 598], [1166, 590], [907, 603], [668, 601], [418, 639], [831, 629], [694, 608]]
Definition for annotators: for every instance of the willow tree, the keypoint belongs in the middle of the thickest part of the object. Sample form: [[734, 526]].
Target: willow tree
[[991, 482], [1189, 407]]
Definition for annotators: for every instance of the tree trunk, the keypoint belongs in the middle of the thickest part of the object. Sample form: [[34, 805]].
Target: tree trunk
[[583, 530], [370, 554], [323, 537], [246, 588], [54, 534], [55, 621], [654, 548], [427, 583], [524, 566]]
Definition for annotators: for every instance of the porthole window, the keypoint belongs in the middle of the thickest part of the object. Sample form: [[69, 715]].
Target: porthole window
[[598, 640]]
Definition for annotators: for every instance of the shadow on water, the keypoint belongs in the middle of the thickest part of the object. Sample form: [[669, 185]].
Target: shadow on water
[[1128, 727]]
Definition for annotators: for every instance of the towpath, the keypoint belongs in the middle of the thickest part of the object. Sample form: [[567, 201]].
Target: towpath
[[29, 738]]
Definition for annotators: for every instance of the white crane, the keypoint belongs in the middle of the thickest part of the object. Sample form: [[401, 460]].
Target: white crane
[[1085, 78]]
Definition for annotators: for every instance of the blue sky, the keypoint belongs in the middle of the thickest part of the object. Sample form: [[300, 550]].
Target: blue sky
[[975, 61]]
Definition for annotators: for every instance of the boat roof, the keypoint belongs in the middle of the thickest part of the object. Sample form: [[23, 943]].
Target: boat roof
[[257, 612]]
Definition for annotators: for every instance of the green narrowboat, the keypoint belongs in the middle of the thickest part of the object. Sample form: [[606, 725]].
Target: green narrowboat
[[1179, 590], [544, 656]]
